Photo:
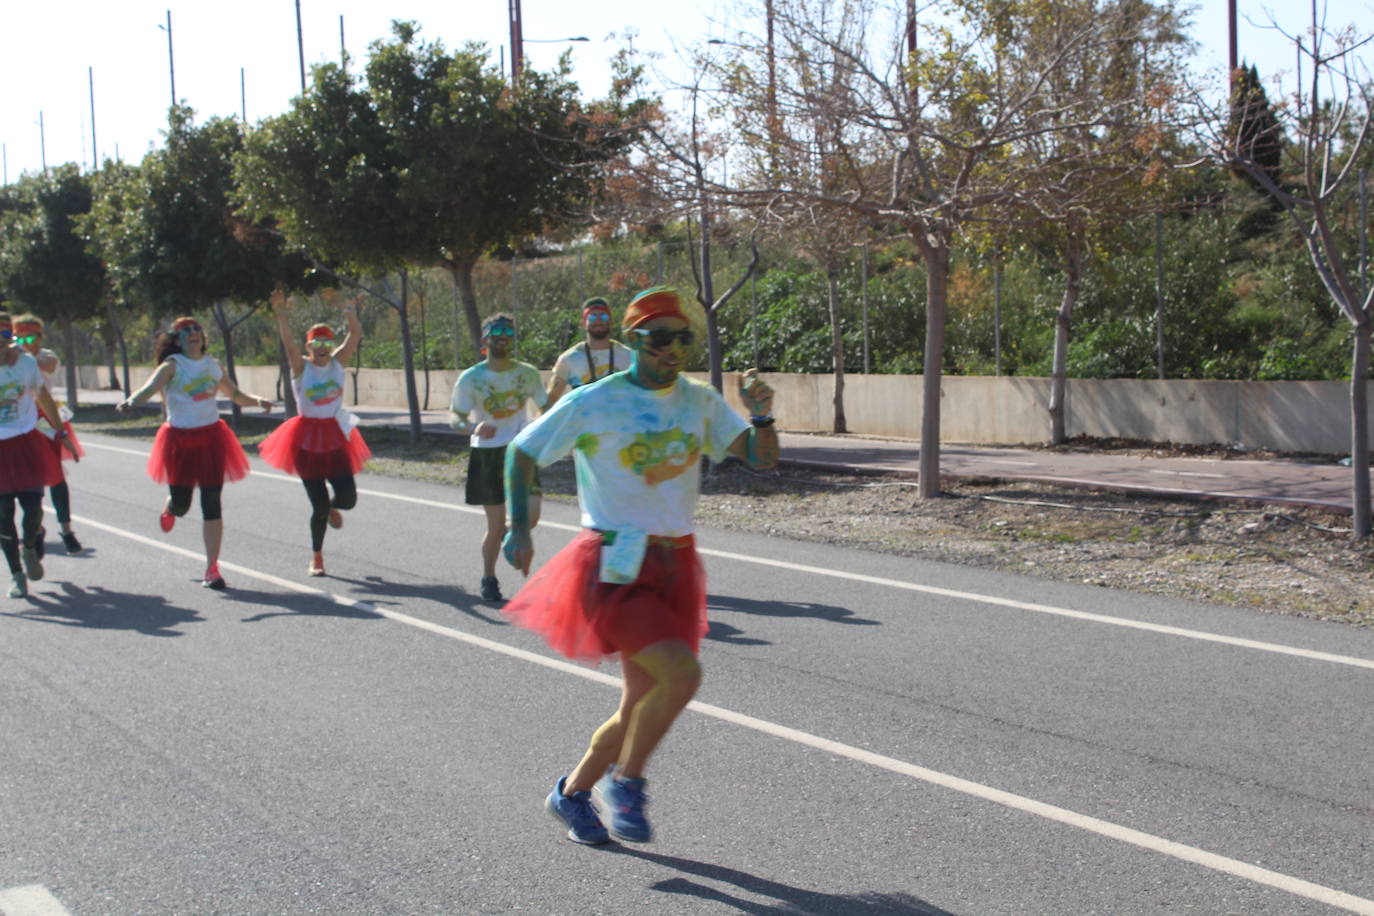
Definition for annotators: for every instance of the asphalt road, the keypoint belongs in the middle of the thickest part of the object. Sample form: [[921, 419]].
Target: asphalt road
[[875, 735]]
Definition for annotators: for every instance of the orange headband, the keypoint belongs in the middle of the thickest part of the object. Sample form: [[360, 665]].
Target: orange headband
[[659, 302], [319, 333], [184, 323]]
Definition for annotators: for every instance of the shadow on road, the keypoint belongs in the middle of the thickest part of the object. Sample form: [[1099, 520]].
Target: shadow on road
[[99, 608], [828, 612], [789, 899], [296, 605], [732, 636], [385, 592]]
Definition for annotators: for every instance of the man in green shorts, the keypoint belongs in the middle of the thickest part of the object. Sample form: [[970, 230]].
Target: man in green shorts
[[490, 405]]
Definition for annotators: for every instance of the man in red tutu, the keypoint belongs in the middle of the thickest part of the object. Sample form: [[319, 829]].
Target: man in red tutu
[[630, 585], [194, 448], [28, 333], [27, 462], [489, 404], [322, 445]]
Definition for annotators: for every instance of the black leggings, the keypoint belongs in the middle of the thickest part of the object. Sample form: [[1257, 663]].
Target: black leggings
[[61, 503], [345, 497], [210, 509], [31, 501]]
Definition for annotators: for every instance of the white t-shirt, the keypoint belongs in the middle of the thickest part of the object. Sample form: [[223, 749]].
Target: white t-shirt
[[191, 392], [572, 365], [637, 450], [319, 392], [50, 382], [18, 384], [498, 399]]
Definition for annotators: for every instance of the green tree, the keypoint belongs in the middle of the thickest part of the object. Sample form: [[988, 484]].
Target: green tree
[[46, 265], [429, 159]]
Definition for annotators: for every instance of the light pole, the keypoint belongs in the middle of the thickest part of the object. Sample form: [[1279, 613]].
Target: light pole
[[171, 63]]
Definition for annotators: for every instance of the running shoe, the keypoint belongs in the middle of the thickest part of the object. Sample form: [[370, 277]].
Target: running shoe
[[491, 589], [577, 812], [316, 567], [335, 518], [19, 586], [166, 520], [33, 557], [623, 801], [212, 578], [70, 542]]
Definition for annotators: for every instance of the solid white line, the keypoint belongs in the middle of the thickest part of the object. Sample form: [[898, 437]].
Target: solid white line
[[977, 598], [30, 900], [1183, 852]]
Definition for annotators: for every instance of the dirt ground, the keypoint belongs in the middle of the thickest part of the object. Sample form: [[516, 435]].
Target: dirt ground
[[1275, 560]]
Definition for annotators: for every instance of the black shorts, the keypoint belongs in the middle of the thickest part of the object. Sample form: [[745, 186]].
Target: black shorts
[[486, 484]]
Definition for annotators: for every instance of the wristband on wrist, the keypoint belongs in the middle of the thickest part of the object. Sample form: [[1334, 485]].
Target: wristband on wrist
[[762, 422]]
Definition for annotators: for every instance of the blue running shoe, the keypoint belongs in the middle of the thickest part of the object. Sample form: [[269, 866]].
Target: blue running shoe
[[622, 801], [577, 812]]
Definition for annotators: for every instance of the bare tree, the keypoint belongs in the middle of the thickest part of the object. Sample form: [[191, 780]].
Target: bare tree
[[1328, 121]]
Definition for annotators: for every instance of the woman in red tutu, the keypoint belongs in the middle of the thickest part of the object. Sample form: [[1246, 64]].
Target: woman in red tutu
[[27, 462], [28, 333], [323, 445], [194, 448], [630, 585]]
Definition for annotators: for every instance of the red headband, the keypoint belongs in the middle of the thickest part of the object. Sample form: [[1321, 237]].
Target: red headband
[[318, 333], [28, 327], [659, 302], [183, 323]]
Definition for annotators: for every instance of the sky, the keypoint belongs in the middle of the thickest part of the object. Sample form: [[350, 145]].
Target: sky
[[55, 51]]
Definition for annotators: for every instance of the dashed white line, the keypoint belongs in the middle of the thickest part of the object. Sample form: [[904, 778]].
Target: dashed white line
[[1181, 851], [30, 900]]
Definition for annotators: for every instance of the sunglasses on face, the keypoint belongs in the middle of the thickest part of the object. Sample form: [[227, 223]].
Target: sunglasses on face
[[320, 343], [598, 318], [662, 338], [501, 330], [6, 333], [28, 339], [189, 329]]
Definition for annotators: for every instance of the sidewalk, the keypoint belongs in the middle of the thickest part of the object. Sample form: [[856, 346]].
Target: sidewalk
[[1279, 481]]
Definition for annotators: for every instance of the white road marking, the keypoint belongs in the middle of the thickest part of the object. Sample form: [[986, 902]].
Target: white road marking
[[1028, 464], [1183, 852], [1172, 473], [30, 900], [977, 598]]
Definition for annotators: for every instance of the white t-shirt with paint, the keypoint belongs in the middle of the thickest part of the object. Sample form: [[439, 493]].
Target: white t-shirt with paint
[[637, 450], [18, 384], [574, 368], [498, 399], [319, 392], [191, 392]]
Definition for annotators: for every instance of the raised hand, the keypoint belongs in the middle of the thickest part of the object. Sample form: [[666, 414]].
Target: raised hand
[[755, 393]]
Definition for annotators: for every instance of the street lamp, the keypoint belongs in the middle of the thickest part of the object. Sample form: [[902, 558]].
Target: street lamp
[[171, 64]]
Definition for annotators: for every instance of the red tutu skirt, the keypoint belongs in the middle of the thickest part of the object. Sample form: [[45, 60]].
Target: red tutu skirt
[[204, 456], [59, 446], [27, 463], [588, 620], [315, 448]]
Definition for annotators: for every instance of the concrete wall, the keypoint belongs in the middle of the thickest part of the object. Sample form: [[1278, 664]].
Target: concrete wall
[[1285, 416]]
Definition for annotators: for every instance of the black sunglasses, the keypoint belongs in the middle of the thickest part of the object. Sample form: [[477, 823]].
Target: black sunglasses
[[662, 338]]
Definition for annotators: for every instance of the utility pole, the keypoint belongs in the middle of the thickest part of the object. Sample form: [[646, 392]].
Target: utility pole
[[300, 43], [171, 62], [42, 144], [95, 149], [1233, 60], [517, 41], [243, 98], [343, 49]]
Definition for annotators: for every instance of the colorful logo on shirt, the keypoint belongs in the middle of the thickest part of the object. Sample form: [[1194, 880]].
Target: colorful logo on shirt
[[324, 392], [502, 404], [661, 456], [200, 389], [10, 393]]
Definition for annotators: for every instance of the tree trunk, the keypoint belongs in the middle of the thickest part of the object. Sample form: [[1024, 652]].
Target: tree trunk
[[707, 298], [226, 332], [836, 348], [1359, 431], [69, 350], [123, 344], [713, 347], [936, 255], [408, 358], [111, 357], [1073, 268], [462, 276]]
